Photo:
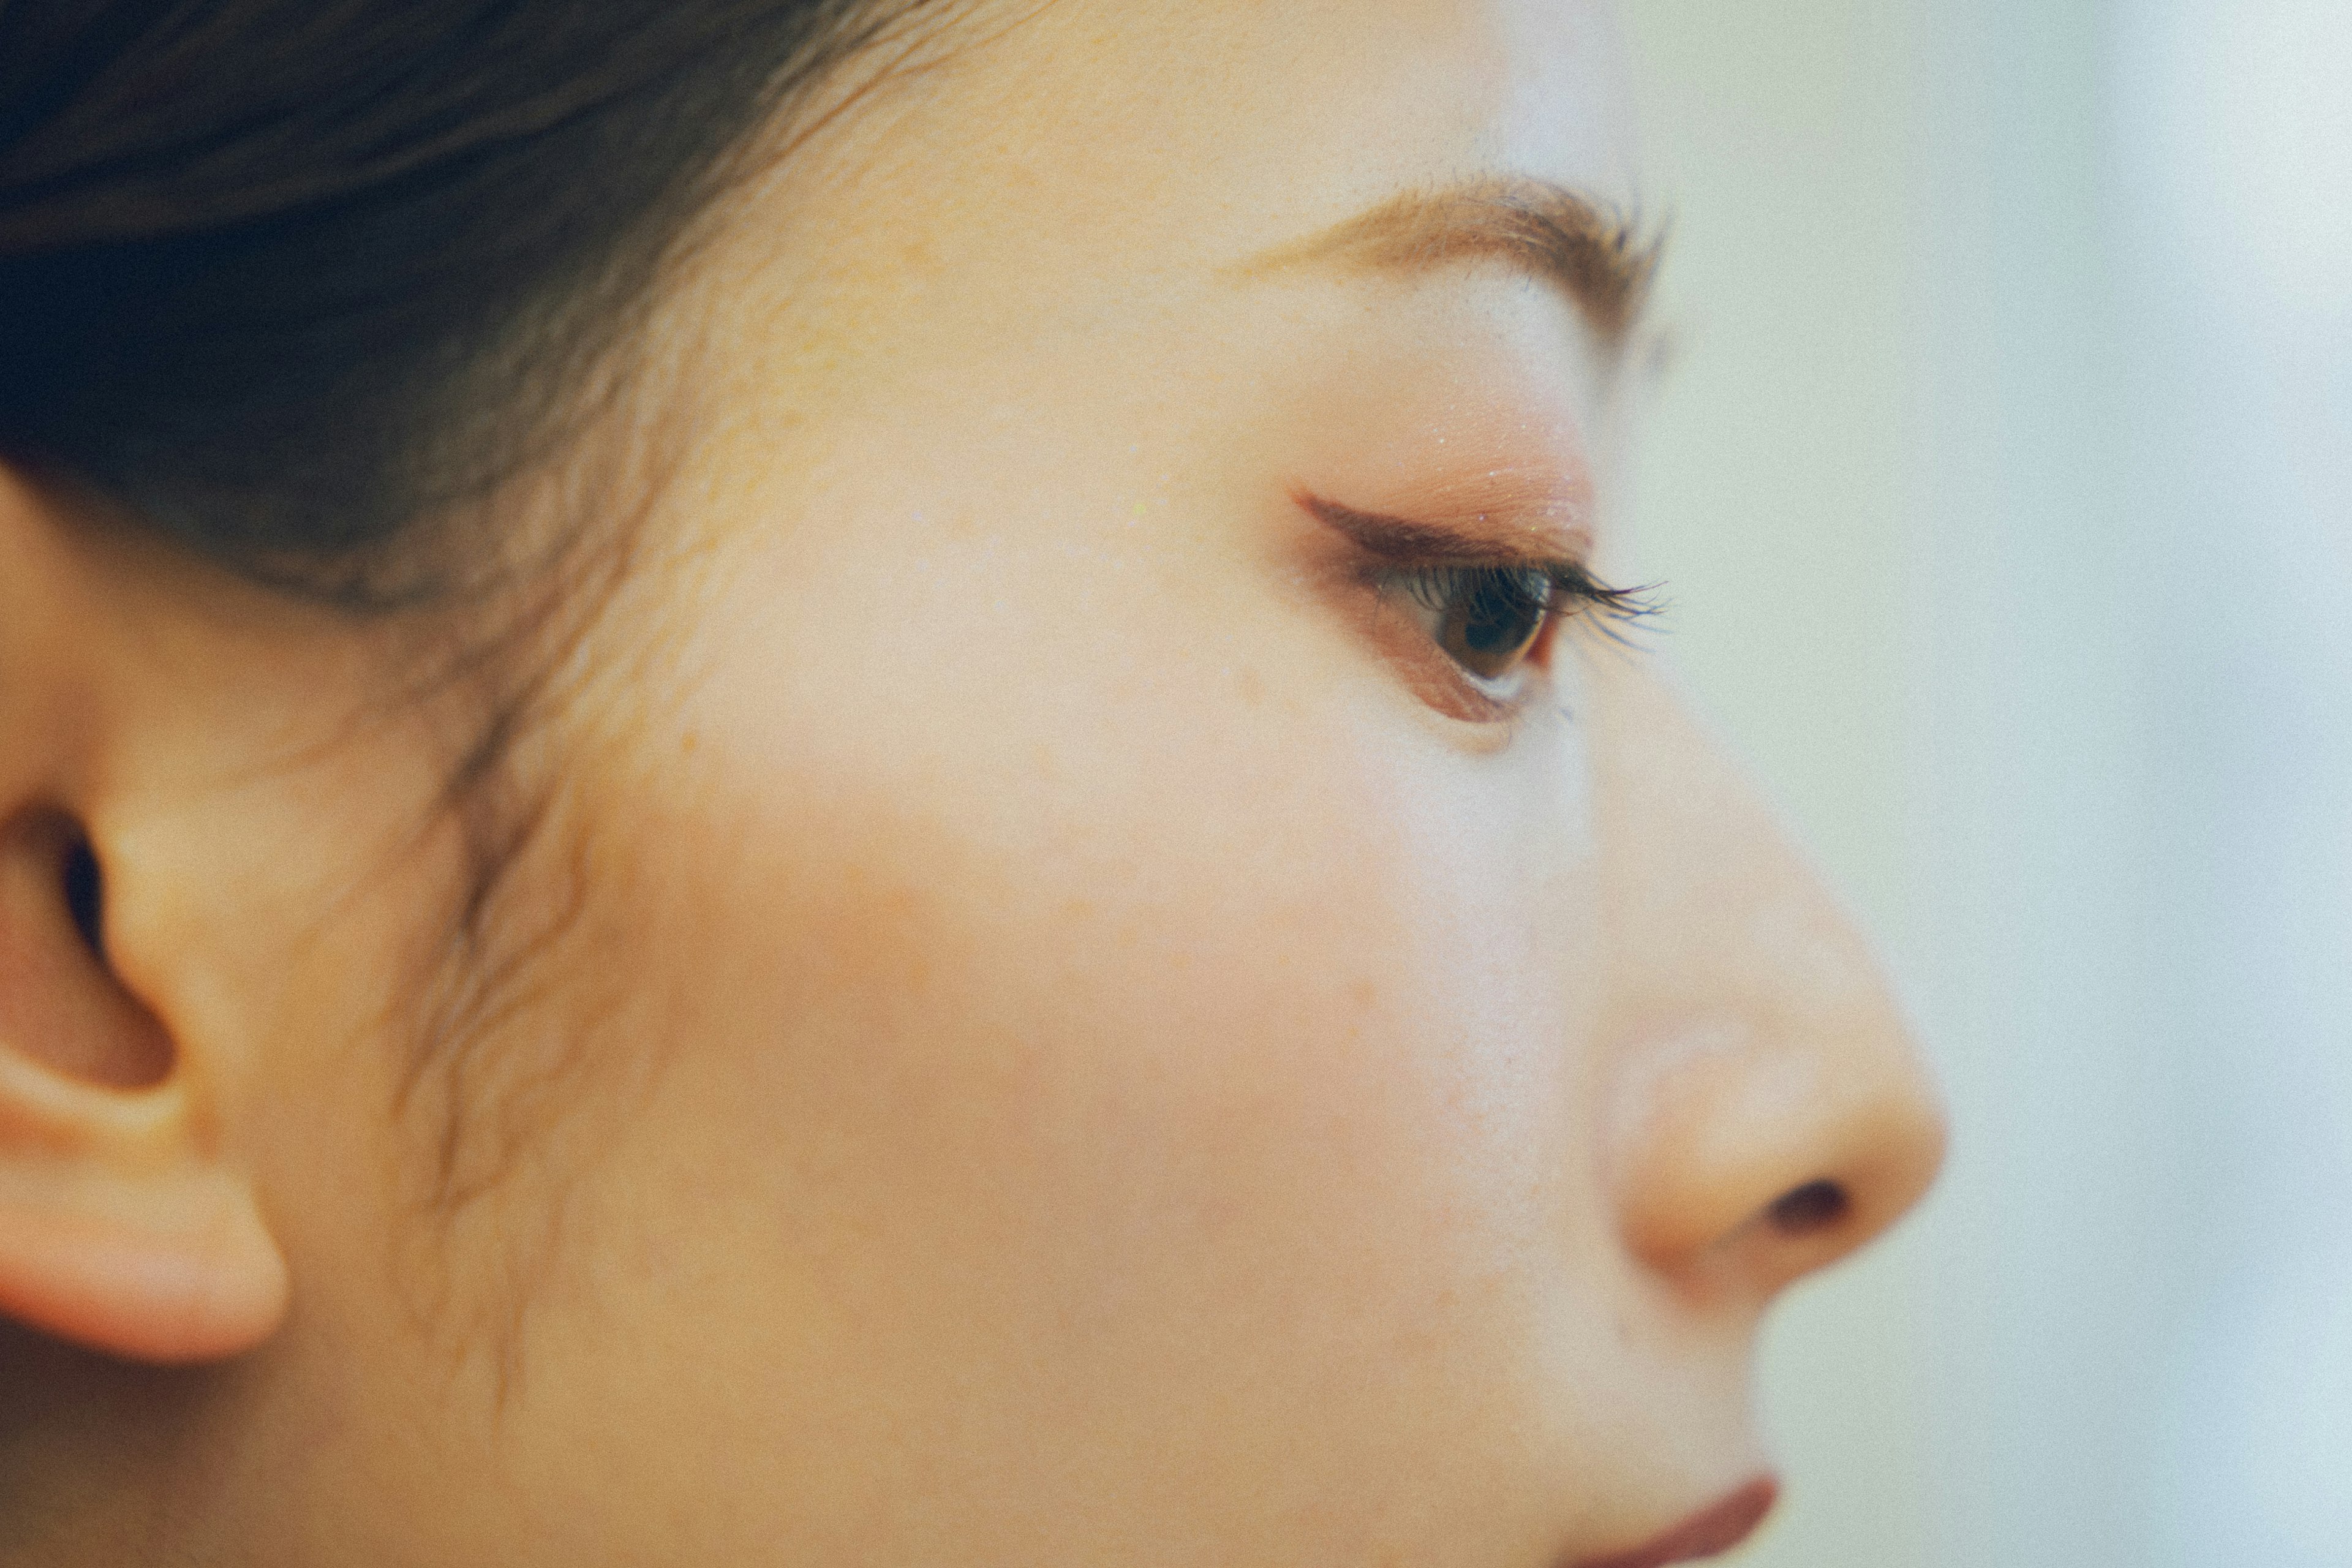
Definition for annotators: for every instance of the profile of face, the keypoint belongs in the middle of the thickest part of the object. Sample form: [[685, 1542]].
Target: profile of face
[[1140, 966]]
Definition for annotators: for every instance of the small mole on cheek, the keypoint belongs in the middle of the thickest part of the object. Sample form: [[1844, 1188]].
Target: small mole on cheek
[[1364, 993], [688, 742]]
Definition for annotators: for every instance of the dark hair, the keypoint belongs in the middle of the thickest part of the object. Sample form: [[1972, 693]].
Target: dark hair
[[279, 277]]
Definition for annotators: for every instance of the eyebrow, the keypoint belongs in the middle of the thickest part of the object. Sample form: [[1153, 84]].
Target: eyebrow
[[1599, 257]]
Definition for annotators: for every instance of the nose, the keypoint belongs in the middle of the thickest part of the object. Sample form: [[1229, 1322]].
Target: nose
[[1766, 1111]]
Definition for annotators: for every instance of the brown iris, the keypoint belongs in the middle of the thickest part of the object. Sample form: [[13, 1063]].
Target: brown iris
[[1490, 616]]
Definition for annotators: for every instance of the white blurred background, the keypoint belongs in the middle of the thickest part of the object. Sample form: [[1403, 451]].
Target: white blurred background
[[2003, 482]]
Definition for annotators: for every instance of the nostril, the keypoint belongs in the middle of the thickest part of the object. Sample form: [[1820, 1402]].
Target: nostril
[[1815, 1207]]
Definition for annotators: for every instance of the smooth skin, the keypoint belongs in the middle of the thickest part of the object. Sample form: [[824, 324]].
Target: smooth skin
[[1066, 1031]]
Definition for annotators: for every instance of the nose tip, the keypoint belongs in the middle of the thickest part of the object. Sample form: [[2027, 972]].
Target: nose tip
[[1766, 1112], [1749, 1158]]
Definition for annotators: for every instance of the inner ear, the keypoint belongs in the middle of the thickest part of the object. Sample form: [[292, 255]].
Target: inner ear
[[61, 1004], [86, 896]]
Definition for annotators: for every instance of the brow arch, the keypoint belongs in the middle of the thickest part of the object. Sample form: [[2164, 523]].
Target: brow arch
[[1599, 257]]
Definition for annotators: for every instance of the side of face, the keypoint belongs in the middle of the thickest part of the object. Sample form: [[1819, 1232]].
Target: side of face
[[1088, 1040]]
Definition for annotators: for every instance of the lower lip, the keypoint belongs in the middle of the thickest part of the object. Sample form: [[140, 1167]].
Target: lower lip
[[1708, 1533]]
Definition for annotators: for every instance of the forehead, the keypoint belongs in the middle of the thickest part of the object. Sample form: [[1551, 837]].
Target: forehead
[[1248, 110], [1040, 167], [1570, 113]]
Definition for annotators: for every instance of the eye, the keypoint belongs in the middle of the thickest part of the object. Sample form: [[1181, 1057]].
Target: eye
[[1487, 618], [1469, 625]]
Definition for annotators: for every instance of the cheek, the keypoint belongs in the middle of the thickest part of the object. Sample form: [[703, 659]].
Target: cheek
[[1173, 1028]]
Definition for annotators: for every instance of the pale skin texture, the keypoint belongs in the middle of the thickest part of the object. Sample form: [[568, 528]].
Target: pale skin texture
[[1080, 1045]]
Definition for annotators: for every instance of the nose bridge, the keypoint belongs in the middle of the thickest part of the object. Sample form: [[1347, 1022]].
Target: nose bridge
[[1768, 1110]]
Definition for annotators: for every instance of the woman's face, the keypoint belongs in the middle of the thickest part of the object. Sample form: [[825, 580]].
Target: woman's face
[[1113, 1017]]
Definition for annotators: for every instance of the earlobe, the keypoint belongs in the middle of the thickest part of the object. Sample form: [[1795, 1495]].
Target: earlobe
[[170, 1267]]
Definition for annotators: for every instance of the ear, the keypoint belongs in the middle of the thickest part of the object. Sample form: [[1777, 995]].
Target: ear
[[122, 1229]]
